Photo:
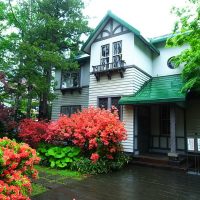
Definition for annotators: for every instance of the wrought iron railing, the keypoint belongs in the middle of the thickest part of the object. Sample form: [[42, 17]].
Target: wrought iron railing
[[109, 66]]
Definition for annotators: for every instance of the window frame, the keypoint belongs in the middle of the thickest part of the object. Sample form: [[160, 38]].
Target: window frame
[[70, 106], [109, 105], [116, 63], [170, 63], [102, 58], [78, 73]]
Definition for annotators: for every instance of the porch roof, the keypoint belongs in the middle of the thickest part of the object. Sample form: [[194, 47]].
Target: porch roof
[[161, 89]]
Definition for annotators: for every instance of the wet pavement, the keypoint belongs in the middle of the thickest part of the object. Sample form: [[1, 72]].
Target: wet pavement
[[131, 183]]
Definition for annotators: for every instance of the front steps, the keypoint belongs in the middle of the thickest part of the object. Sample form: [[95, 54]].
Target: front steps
[[159, 160]]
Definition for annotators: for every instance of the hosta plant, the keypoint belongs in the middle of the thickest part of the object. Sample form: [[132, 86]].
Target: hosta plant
[[58, 156]]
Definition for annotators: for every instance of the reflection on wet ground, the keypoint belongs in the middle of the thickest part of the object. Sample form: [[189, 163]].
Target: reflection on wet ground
[[131, 183]]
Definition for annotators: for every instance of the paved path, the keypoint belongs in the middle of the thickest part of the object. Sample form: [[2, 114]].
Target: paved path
[[132, 183]]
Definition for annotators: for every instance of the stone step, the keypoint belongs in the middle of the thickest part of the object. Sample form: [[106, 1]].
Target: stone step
[[161, 161], [161, 165]]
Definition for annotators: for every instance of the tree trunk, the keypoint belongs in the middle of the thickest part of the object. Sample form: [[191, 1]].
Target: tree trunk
[[43, 105], [29, 103], [17, 104]]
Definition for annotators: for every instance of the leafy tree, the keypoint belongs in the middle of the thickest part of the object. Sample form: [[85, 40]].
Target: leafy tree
[[44, 30], [187, 31]]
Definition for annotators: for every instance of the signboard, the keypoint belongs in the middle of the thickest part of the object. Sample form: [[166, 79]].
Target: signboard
[[193, 144], [198, 144], [190, 144]]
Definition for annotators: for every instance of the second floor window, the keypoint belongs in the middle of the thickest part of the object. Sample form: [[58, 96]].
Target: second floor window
[[105, 51], [117, 53], [70, 80]]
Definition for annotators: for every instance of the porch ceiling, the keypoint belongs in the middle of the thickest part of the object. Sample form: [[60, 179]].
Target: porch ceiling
[[161, 89]]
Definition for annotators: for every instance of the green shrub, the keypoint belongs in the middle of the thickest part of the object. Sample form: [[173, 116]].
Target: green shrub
[[58, 156], [86, 166]]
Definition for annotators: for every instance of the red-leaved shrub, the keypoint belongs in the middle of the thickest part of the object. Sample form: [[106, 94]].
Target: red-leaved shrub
[[16, 164], [32, 132], [98, 132]]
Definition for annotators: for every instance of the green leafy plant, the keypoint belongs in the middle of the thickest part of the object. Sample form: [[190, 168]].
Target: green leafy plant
[[58, 156], [103, 165]]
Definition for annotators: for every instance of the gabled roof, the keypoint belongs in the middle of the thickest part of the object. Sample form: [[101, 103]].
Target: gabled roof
[[161, 89], [86, 46]]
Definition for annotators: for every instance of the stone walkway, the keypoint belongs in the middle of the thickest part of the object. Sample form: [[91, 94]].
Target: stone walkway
[[132, 183]]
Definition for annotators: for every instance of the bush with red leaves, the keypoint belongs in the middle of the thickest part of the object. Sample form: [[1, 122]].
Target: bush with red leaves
[[32, 132], [98, 132]]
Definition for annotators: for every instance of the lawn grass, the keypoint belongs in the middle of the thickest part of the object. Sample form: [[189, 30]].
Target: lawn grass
[[37, 189], [61, 172]]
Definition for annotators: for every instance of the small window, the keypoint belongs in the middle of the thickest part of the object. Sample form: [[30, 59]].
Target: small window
[[165, 120], [108, 102], [105, 51], [70, 80], [69, 110], [117, 53], [170, 63], [103, 103]]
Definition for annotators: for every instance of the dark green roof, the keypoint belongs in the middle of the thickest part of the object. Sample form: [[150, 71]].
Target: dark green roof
[[87, 44], [161, 89]]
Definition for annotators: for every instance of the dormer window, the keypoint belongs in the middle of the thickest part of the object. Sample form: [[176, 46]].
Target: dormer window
[[117, 54], [70, 80], [105, 51]]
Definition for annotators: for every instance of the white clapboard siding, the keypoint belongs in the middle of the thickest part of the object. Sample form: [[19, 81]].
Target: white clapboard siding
[[117, 86], [75, 98], [128, 120]]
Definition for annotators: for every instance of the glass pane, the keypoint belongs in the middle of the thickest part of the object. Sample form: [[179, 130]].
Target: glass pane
[[68, 110], [70, 80], [117, 48], [65, 110], [117, 61], [105, 50], [115, 102], [103, 103], [75, 109]]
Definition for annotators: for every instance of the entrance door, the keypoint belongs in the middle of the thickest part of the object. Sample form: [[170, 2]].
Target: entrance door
[[143, 129]]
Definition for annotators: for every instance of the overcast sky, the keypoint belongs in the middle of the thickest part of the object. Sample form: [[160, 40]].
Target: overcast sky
[[151, 17]]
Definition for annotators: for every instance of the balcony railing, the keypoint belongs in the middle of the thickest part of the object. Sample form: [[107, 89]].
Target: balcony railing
[[109, 68]]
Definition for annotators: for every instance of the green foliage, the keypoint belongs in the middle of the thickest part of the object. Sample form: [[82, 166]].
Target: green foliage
[[57, 156], [86, 166], [42, 32], [61, 172], [187, 32], [37, 189]]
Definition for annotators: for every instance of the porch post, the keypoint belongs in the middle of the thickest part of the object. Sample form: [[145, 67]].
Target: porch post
[[172, 129], [136, 152]]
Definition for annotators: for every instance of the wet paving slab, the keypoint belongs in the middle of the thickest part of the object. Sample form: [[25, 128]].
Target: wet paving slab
[[131, 183]]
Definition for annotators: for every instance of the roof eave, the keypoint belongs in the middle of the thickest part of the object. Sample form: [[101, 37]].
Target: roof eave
[[153, 101]]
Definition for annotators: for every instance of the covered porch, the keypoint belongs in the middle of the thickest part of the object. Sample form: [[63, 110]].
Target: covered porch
[[159, 117]]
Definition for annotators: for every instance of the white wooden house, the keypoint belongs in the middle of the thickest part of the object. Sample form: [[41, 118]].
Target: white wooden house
[[137, 76]]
